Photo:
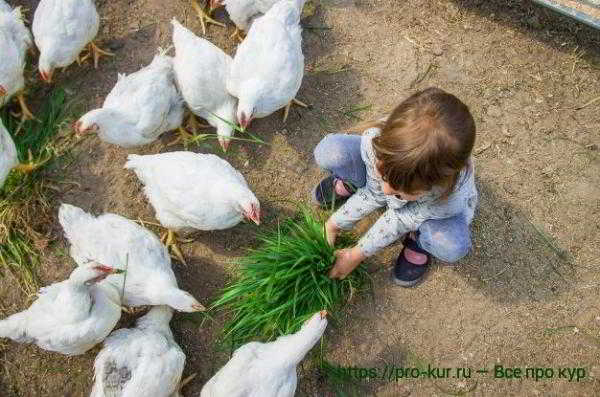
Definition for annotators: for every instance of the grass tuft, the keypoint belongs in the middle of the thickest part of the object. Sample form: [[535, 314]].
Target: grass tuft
[[284, 281], [25, 205]]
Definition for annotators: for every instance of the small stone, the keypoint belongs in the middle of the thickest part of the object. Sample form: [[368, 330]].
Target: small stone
[[592, 147]]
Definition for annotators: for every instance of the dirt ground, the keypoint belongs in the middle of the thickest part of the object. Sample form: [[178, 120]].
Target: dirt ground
[[527, 296]]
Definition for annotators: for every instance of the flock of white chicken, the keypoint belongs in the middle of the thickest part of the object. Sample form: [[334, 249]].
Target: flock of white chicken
[[122, 264]]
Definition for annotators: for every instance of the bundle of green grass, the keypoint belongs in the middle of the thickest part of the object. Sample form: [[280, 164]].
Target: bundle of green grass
[[285, 281]]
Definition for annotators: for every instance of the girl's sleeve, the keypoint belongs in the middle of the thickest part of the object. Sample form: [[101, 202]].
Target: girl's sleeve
[[394, 223], [359, 205], [366, 199]]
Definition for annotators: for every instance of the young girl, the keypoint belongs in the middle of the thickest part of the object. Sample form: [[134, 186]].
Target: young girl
[[418, 164]]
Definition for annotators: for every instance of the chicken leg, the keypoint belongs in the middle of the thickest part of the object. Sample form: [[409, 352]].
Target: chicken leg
[[286, 112], [132, 310], [205, 17], [183, 137], [194, 125], [96, 52], [25, 112], [170, 240], [238, 35], [185, 381]]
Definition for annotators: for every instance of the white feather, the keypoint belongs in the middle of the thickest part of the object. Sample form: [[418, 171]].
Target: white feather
[[266, 369], [193, 191], [15, 39], [69, 317], [242, 12], [121, 243], [4, 7], [8, 154], [140, 361], [140, 107], [201, 69], [268, 66], [62, 29]]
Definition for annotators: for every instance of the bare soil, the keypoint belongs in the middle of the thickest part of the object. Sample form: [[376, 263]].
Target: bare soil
[[527, 296]]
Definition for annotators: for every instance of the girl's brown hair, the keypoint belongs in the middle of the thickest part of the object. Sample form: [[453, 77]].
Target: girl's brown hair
[[425, 142]]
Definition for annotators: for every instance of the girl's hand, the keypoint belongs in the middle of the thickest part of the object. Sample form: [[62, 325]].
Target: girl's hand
[[347, 260], [331, 231]]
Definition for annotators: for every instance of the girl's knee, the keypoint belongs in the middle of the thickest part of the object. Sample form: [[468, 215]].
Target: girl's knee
[[448, 244], [452, 251], [329, 152]]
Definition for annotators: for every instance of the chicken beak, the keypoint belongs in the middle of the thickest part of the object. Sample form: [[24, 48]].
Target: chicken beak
[[46, 76], [255, 216], [224, 142], [198, 307], [244, 122], [323, 314], [108, 269]]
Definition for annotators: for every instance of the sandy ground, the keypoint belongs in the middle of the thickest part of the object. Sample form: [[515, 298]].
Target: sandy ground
[[528, 294]]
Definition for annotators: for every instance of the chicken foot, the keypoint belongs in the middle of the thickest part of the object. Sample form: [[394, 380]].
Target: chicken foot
[[25, 112], [184, 136], [286, 112], [205, 17], [31, 166], [170, 240], [96, 52], [185, 381], [238, 35], [132, 310], [194, 125]]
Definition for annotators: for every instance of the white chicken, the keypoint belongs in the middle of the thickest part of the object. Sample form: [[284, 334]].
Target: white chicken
[[140, 361], [61, 30], [268, 66], [15, 40], [69, 317], [201, 69], [122, 243], [194, 191], [139, 108], [266, 369]]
